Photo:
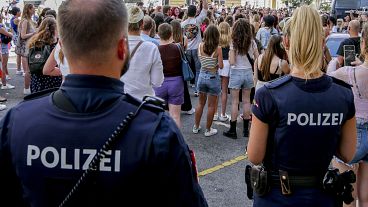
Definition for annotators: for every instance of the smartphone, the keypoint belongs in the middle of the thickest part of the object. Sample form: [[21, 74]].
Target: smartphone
[[349, 54]]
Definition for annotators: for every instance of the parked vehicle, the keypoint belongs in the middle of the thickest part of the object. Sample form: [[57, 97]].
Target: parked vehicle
[[333, 42], [339, 7]]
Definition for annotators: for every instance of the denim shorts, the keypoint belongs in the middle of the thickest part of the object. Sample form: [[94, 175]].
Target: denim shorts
[[209, 83], [4, 49], [241, 79], [171, 90], [361, 153]]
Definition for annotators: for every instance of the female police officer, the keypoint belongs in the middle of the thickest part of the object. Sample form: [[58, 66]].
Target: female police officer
[[300, 121]]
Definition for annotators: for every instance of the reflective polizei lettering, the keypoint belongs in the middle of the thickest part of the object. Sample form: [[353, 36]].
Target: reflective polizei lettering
[[315, 119], [51, 157]]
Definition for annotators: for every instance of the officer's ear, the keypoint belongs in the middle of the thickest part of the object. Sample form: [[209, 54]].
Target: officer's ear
[[123, 49]]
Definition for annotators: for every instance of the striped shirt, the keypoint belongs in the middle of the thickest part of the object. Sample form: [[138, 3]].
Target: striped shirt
[[207, 63]]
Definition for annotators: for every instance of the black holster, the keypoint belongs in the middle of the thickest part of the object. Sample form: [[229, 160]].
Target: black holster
[[260, 180]]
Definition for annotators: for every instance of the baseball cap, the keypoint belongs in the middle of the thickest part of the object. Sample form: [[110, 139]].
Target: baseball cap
[[135, 14]]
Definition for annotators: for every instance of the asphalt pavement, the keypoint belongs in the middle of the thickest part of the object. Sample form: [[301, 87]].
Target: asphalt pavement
[[220, 160]]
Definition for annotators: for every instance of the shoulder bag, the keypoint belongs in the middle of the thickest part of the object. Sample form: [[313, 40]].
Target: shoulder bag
[[187, 71]]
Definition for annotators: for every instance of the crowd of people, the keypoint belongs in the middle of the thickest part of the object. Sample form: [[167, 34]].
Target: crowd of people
[[274, 65]]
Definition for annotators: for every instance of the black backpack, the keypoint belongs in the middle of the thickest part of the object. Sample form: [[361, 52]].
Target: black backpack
[[5, 39], [37, 57]]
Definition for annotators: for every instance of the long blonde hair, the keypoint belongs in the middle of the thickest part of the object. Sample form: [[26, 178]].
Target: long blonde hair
[[225, 34], [306, 50]]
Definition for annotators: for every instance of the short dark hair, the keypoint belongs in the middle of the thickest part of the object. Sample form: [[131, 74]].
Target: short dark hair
[[269, 20], [166, 8], [165, 31], [192, 11], [51, 13], [105, 22]]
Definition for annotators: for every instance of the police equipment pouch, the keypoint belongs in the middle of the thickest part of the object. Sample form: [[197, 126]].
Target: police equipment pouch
[[260, 180], [340, 185], [109, 144], [284, 182]]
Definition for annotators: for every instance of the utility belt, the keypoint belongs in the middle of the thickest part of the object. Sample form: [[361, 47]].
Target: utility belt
[[260, 181]]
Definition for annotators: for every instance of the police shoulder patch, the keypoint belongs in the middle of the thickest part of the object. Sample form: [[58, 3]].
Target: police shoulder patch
[[278, 82], [341, 82]]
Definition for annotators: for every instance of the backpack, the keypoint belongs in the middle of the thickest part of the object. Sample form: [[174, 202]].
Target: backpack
[[37, 57]]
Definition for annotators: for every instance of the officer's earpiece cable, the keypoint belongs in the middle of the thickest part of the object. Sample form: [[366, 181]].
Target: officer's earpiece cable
[[105, 148]]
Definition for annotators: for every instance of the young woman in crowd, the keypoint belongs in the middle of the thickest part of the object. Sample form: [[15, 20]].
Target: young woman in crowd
[[358, 78], [27, 28], [179, 38], [46, 35], [175, 11], [281, 137], [209, 86], [5, 40], [172, 89], [225, 39], [14, 22], [271, 65], [243, 51]]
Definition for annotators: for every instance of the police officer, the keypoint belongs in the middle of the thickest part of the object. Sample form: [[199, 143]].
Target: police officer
[[300, 121], [46, 143]]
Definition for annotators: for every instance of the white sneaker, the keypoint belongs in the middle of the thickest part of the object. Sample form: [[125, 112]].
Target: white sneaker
[[2, 107], [190, 112], [7, 86], [196, 130], [27, 91], [210, 133], [215, 117], [224, 117], [196, 94], [19, 72], [8, 77]]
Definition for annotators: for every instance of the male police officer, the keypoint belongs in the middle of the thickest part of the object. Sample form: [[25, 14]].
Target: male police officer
[[46, 143]]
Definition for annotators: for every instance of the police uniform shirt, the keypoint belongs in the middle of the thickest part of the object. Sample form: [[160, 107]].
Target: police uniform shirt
[[44, 150], [305, 119]]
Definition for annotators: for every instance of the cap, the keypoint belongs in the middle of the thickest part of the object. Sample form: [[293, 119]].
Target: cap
[[135, 14]]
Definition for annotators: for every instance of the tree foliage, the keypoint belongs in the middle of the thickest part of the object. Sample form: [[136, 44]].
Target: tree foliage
[[297, 3]]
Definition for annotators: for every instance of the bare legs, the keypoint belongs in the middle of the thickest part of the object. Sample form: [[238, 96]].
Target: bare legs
[[212, 107]]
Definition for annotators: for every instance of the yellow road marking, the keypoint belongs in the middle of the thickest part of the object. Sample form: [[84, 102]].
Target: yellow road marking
[[223, 165]]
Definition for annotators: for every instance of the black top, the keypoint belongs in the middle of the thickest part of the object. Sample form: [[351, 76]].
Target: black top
[[225, 52], [350, 41], [273, 76]]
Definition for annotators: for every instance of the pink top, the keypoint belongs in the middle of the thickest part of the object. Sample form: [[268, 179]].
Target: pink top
[[358, 78]]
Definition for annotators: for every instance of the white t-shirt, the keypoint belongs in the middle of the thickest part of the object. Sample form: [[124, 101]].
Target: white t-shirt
[[242, 62], [64, 67], [192, 30]]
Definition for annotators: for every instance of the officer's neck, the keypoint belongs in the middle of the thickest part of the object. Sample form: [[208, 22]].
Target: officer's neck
[[299, 73]]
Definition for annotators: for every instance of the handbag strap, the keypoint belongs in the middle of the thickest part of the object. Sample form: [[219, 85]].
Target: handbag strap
[[182, 55], [135, 49]]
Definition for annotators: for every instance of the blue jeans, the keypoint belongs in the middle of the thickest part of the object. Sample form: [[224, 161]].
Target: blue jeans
[[195, 64], [361, 153], [241, 79], [209, 83]]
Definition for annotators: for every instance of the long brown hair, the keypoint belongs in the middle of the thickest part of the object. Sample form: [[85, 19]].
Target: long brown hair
[[26, 14], [46, 32], [211, 39], [273, 48], [242, 36], [177, 32]]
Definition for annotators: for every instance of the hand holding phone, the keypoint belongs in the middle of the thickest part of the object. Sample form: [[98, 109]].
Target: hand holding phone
[[349, 55]]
